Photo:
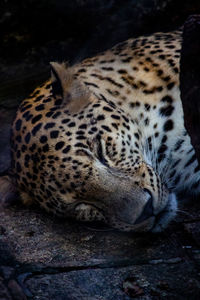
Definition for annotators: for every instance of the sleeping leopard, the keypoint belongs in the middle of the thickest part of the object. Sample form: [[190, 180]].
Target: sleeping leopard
[[104, 140]]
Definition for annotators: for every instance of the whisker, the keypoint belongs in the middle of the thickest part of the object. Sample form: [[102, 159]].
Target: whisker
[[184, 212]]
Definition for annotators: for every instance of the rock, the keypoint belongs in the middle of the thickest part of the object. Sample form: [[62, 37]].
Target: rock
[[163, 285], [138, 282], [190, 79], [2, 230], [131, 288], [194, 230], [8, 193], [54, 259], [5, 124], [4, 293], [16, 290], [6, 271]]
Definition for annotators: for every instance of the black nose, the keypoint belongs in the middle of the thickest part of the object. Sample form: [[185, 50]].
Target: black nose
[[148, 209]]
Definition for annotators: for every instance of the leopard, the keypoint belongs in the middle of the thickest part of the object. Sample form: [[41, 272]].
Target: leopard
[[104, 140]]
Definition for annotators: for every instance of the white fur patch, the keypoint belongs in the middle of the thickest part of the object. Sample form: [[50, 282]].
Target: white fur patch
[[168, 215]]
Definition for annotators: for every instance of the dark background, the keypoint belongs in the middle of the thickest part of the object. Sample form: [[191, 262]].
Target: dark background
[[34, 32]]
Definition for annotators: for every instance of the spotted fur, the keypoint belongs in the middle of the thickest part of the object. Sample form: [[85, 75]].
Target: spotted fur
[[105, 139]]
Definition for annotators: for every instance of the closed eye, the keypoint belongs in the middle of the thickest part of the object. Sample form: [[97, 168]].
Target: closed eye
[[86, 152], [148, 194], [96, 151], [99, 149]]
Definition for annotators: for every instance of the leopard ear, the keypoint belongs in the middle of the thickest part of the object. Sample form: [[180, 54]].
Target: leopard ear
[[74, 95], [59, 77]]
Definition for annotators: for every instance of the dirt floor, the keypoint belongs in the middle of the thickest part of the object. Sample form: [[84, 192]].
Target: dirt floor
[[42, 257]]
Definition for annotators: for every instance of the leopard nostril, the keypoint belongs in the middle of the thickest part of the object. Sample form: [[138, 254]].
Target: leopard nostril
[[148, 209]]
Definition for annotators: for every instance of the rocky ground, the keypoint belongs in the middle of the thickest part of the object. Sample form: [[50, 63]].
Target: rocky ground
[[42, 257]]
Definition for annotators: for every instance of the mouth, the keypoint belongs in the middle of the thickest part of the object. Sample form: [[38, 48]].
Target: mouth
[[155, 223]]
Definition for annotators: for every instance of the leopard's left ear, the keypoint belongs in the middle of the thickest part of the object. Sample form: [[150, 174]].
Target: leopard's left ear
[[60, 78], [73, 93]]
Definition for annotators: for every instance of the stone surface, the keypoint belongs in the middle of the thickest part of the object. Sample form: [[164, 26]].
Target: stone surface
[[4, 293], [108, 283], [5, 121], [48, 258], [91, 247], [189, 79], [16, 290], [194, 230]]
